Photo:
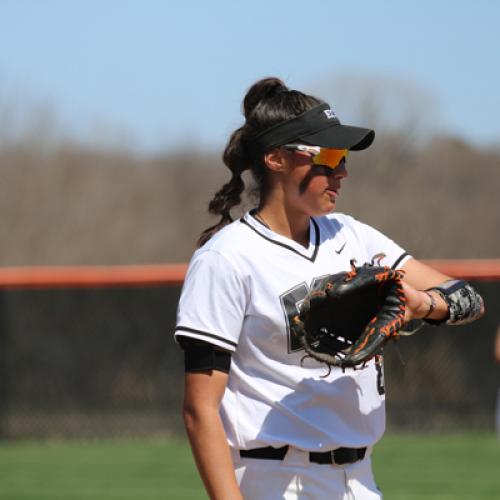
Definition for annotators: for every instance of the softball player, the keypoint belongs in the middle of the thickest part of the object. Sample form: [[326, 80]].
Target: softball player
[[265, 422]]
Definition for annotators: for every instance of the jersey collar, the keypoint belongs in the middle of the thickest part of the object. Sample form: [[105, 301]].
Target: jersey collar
[[268, 234]]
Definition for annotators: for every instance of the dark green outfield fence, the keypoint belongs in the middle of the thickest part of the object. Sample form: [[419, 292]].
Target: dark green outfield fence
[[101, 362], [90, 362]]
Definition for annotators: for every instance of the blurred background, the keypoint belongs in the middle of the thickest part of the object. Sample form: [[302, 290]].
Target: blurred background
[[113, 118]]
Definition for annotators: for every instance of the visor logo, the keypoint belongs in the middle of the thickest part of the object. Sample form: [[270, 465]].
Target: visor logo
[[329, 114]]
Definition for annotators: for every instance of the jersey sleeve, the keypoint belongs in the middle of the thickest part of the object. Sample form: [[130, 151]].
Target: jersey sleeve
[[376, 243], [213, 301]]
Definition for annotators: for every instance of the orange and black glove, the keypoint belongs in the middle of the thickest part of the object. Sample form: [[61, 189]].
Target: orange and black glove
[[350, 316]]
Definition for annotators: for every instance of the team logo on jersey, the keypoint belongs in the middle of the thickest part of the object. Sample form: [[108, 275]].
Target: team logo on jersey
[[291, 302]]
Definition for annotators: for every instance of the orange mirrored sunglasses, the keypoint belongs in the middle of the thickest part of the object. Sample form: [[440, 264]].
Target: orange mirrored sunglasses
[[327, 157]]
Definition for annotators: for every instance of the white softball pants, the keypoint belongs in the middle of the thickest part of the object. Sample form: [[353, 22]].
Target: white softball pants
[[295, 478]]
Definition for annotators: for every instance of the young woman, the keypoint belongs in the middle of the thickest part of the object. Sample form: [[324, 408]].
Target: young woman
[[264, 423]]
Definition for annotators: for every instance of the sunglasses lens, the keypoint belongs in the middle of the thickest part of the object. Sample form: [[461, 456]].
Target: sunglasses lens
[[330, 157], [326, 157]]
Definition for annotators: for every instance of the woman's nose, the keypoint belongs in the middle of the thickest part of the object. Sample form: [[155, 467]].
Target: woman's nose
[[341, 171]]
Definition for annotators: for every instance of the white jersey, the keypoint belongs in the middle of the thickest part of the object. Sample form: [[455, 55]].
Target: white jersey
[[241, 289]]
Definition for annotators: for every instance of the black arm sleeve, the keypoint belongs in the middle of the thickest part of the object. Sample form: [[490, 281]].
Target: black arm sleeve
[[201, 356]]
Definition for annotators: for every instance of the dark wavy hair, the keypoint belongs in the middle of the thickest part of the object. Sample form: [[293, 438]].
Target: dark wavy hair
[[268, 102]]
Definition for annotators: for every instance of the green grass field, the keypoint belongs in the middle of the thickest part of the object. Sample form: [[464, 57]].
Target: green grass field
[[407, 467]]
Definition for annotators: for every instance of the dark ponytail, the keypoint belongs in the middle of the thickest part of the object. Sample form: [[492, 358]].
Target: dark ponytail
[[267, 103], [229, 195]]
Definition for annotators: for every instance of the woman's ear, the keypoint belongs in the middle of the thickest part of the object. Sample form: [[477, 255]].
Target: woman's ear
[[274, 160]]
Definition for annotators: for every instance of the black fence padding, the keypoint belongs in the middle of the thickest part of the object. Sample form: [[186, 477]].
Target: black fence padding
[[90, 361], [103, 362], [446, 377]]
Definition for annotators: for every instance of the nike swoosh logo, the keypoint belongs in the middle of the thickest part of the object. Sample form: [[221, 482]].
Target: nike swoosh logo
[[339, 251]]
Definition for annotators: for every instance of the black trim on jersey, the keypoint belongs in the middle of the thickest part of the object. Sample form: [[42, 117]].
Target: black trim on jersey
[[401, 257], [261, 222], [279, 243], [205, 334]]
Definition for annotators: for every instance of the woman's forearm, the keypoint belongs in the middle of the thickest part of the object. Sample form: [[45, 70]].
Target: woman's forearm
[[211, 452]]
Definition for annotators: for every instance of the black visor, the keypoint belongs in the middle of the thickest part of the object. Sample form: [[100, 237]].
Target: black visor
[[319, 126]]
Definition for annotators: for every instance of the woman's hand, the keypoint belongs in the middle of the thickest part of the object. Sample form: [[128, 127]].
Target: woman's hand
[[420, 304], [419, 277], [417, 303]]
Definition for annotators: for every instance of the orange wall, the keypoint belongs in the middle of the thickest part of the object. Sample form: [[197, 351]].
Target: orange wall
[[173, 274]]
